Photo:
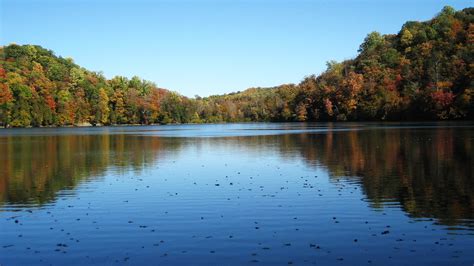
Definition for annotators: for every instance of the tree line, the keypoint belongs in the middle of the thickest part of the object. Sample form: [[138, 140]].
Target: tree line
[[424, 72]]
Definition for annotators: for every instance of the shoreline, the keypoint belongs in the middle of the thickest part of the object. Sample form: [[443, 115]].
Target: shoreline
[[252, 122]]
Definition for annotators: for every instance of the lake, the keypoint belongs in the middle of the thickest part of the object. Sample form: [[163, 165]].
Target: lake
[[233, 194]]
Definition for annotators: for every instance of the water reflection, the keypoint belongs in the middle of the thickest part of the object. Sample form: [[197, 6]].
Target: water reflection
[[428, 172], [35, 168]]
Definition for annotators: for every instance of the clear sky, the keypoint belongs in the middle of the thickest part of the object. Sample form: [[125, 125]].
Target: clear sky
[[209, 46]]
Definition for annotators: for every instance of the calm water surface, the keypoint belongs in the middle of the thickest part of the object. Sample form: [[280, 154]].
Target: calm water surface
[[275, 194]]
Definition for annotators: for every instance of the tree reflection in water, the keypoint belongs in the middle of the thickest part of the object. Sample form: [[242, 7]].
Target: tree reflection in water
[[428, 172]]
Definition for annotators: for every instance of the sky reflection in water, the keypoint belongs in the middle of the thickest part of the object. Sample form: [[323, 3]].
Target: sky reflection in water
[[237, 194]]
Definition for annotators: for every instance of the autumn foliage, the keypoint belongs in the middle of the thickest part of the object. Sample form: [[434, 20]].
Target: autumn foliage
[[424, 72]]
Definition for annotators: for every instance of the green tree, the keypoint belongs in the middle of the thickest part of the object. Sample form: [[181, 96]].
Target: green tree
[[103, 107]]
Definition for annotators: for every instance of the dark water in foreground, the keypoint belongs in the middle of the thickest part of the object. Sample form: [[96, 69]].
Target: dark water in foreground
[[341, 194]]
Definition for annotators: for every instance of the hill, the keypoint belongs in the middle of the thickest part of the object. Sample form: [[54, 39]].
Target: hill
[[425, 71]]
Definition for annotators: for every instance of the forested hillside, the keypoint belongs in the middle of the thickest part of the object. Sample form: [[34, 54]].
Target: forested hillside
[[425, 71]]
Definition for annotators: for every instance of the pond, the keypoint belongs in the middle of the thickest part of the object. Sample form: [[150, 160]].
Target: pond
[[233, 194]]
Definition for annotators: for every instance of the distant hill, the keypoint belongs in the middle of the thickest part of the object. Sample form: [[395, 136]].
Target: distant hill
[[425, 71]]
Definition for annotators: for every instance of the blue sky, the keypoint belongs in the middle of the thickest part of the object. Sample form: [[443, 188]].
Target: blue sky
[[209, 46]]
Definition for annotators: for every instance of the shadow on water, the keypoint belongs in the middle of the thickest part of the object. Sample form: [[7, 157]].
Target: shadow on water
[[426, 171]]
